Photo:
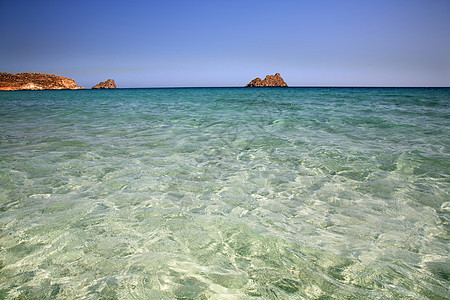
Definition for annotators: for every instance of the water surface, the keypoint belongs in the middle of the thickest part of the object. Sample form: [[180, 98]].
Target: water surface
[[225, 193]]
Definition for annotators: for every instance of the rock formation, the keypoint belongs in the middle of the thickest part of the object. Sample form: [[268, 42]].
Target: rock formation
[[108, 84], [36, 81], [269, 81]]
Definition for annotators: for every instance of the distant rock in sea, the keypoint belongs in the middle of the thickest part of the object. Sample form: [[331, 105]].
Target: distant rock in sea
[[108, 84], [36, 81], [269, 81]]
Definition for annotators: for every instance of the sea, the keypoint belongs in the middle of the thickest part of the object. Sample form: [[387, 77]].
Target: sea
[[225, 193]]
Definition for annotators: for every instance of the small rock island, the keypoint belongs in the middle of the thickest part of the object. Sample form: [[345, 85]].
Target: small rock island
[[36, 81], [108, 84], [269, 81]]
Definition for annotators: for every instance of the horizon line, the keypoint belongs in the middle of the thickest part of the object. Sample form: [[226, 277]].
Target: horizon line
[[269, 87], [242, 87]]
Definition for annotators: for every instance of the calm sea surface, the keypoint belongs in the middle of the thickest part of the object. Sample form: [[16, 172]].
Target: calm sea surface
[[225, 193]]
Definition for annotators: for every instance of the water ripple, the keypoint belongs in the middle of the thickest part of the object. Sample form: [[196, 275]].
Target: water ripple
[[225, 194]]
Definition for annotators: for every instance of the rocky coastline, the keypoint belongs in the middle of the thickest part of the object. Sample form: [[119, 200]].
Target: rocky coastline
[[108, 84], [270, 81], [36, 81]]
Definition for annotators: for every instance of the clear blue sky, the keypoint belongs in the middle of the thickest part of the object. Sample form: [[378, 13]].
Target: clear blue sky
[[228, 43]]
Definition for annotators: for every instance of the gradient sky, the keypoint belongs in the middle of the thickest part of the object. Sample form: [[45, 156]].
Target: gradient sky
[[228, 43]]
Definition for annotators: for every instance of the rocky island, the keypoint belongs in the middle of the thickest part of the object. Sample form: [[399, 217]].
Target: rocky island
[[36, 81], [108, 84], [269, 81]]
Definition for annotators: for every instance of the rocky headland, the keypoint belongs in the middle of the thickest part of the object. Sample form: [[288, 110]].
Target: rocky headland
[[108, 84], [36, 81], [269, 81]]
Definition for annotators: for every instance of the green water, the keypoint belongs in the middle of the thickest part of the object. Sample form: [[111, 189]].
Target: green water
[[227, 193]]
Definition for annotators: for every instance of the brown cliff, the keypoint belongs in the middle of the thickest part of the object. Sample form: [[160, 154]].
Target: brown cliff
[[108, 84], [269, 81], [36, 81]]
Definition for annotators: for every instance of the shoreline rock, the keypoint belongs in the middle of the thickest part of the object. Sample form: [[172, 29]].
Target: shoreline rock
[[269, 81], [36, 82], [108, 84]]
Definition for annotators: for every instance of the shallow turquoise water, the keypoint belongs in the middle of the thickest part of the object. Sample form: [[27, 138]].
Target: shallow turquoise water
[[225, 193]]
